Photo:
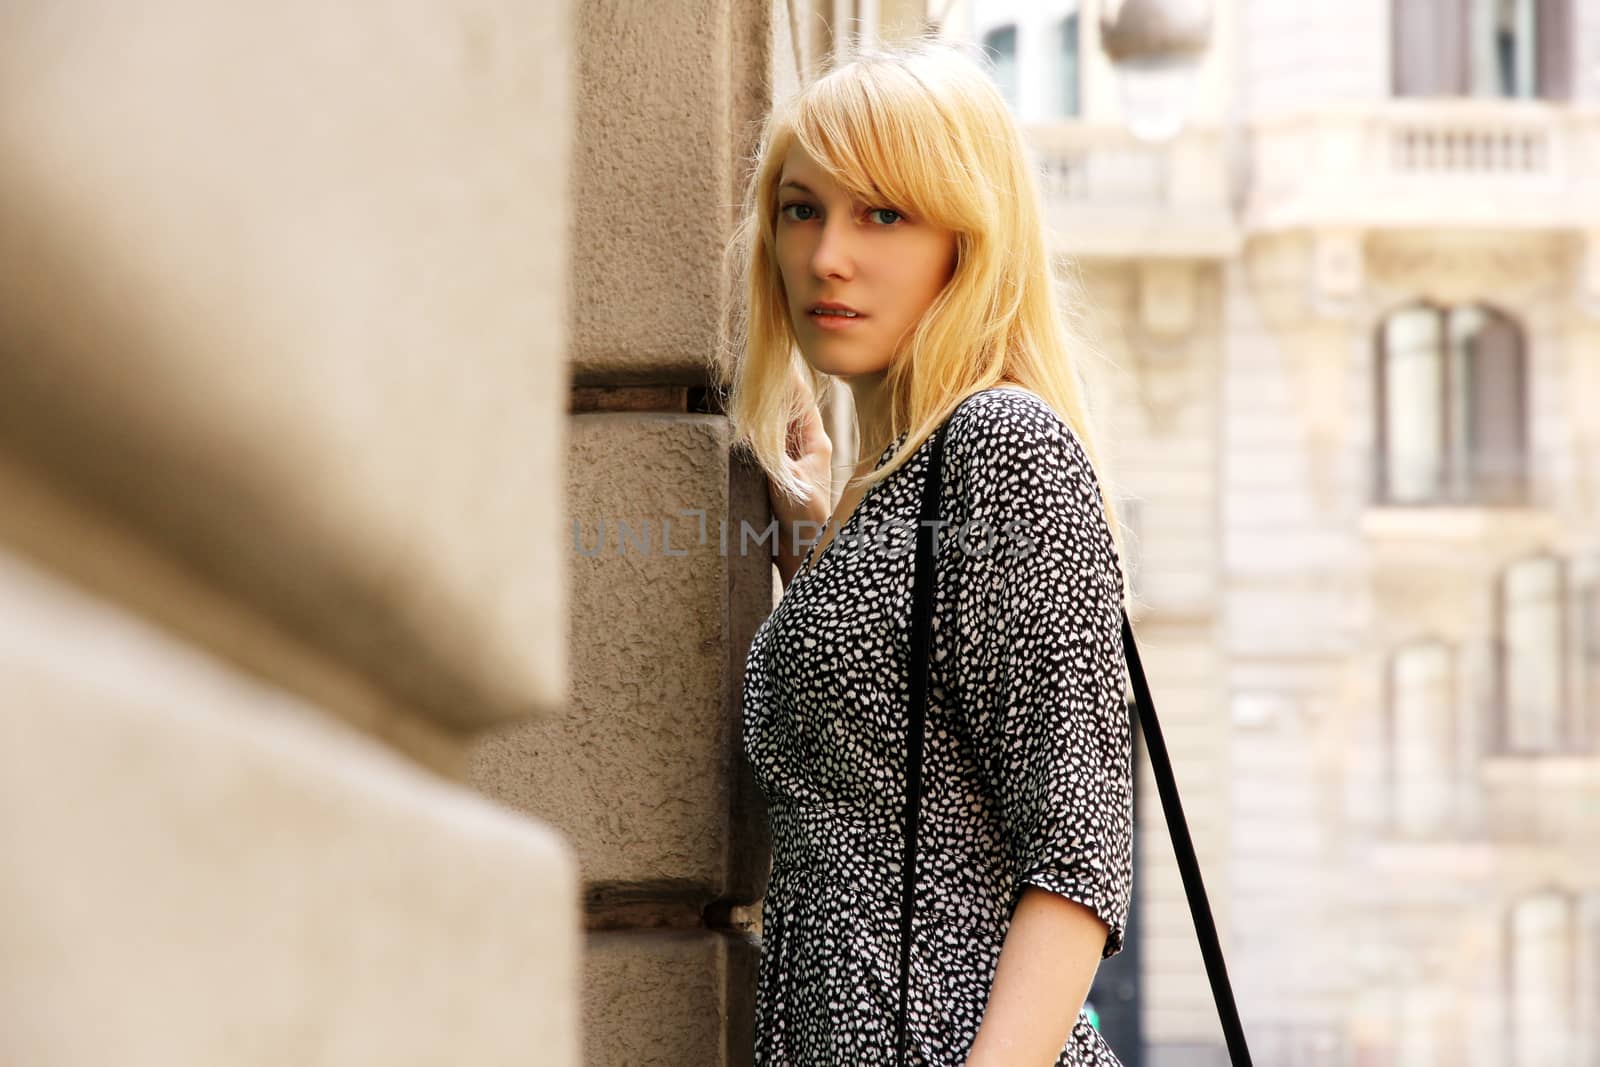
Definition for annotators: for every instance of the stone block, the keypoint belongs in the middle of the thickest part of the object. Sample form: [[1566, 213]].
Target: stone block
[[669, 999], [644, 773], [201, 869], [669, 95], [282, 291]]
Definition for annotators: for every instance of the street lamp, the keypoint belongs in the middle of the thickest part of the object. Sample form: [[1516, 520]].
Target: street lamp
[[1156, 47]]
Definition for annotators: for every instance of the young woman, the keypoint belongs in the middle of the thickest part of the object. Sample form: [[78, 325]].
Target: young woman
[[893, 240]]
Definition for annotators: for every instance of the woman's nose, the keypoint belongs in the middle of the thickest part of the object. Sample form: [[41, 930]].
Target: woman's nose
[[834, 254]]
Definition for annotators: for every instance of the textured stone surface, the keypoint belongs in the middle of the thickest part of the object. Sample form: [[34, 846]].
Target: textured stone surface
[[681, 999], [644, 772], [201, 869], [43, 522], [282, 290], [669, 95]]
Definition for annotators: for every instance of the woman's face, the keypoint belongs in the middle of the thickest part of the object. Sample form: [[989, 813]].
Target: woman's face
[[875, 260]]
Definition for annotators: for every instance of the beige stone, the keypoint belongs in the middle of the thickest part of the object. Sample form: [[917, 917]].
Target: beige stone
[[201, 869], [283, 290], [644, 772], [668, 999], [669, 97], [44, 523]]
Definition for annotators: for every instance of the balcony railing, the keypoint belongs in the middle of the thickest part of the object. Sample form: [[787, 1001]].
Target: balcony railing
[[1412, 163], [1444, 148], [1109, 194], [1420, 163]]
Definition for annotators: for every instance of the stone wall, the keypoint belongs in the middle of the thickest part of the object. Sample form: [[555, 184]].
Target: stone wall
[[281, 312]]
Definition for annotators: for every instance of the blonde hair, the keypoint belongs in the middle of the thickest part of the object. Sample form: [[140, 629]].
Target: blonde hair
[[919, 126]]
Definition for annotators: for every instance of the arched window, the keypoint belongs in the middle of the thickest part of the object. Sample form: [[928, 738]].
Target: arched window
[[1532, 657], [1000, 48], [1422, 738], [1451, 407]]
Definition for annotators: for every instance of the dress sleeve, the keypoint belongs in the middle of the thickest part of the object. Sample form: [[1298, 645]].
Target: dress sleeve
[[1040, 620]]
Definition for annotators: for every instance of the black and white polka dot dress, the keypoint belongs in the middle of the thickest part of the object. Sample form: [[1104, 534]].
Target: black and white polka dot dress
[[1027, 776]]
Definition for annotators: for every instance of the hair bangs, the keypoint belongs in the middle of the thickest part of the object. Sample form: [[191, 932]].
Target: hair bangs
[[874, 129]]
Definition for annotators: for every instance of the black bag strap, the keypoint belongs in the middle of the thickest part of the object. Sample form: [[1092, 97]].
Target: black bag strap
[[1177, 826]]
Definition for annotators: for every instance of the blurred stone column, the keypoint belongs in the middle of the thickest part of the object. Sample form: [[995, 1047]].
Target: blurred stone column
[[645, 773], [282, 293]]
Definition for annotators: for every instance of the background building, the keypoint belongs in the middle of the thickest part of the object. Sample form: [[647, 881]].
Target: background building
[[1353, 319]]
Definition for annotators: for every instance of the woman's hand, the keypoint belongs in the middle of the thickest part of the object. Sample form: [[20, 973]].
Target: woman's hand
[[810, 448]]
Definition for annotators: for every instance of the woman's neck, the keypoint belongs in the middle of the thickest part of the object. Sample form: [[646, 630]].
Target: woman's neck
[[872, 403]]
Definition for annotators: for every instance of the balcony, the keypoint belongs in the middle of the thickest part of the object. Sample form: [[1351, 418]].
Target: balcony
[[1108, 194], [1547, 799], [1415, 163], [1552, 798], [1435, 513]]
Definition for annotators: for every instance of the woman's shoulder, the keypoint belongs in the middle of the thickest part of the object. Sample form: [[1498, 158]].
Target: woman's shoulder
[[1010, 427], [1013, 460]]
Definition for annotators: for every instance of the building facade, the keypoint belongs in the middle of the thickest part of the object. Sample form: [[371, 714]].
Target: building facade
[[1352, 315]]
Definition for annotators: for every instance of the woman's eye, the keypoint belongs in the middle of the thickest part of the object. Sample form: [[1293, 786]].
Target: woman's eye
[[812, 212]]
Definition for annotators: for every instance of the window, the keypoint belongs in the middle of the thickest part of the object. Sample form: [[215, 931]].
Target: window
[[1502, 42], [1547, 688], [1541, 965], [1424, 1037], [1067, 67], [1583, 583], [1531, 660], [1451, 407], [1591, 624], [1588, 944], [1000, 48], [1502, 48], [1421, 737]]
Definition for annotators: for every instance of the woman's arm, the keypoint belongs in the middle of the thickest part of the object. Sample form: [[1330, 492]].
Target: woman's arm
[[1046, 966], [1047, 683]]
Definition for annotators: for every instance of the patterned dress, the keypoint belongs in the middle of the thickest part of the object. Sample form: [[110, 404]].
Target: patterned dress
[[1027, 776]]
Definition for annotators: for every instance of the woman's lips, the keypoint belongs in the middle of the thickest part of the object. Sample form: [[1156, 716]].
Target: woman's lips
[[834, 322]]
